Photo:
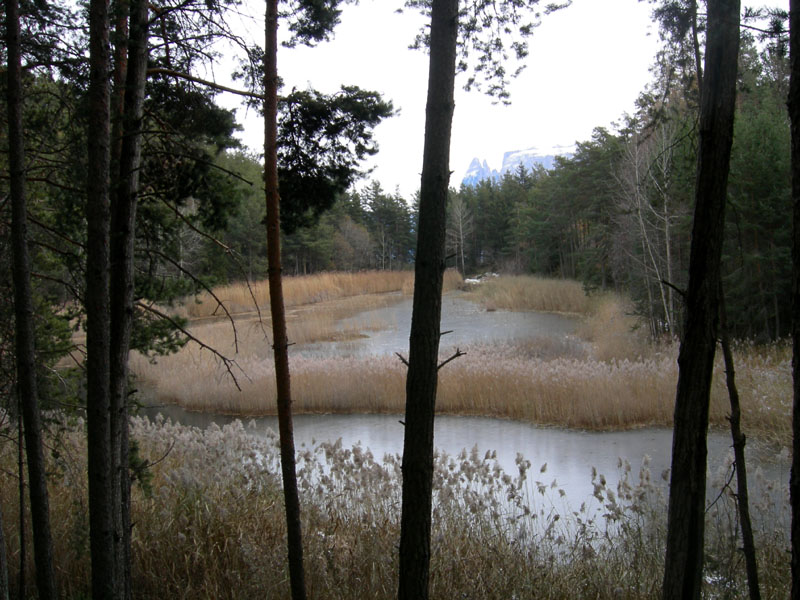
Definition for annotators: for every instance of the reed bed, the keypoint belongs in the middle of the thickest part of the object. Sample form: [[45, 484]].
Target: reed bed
[[209, 524], [610, 376], [505, 380], [528, 292], [303, 290]]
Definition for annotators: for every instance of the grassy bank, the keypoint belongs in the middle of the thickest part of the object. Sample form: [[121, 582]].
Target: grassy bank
[[608, 377], [210, 525]]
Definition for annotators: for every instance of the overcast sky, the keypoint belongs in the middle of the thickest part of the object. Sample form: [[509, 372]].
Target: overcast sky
[[587, 65]]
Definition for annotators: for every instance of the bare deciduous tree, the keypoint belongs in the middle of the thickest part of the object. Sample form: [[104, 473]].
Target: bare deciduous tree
[[459, 228]]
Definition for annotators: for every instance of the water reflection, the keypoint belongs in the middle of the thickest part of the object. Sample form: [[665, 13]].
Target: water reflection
[[569, 455], [465, 322]]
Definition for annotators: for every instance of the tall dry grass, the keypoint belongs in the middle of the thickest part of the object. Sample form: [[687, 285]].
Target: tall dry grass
[[306, 289], [212, 524], [528, 292], [614, 330], [610, 377], [506, 381]]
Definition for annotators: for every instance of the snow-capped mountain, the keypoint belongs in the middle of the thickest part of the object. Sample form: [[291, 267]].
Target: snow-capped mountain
[[531, 157], [478, 171]]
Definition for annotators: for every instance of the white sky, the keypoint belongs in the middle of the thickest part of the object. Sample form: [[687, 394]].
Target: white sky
[[587, 65]]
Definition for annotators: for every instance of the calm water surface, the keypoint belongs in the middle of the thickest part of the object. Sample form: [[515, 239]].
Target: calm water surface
[[569, 455], [465, 322]]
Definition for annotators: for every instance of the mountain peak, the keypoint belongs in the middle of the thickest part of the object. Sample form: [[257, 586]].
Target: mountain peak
[[529, 158]]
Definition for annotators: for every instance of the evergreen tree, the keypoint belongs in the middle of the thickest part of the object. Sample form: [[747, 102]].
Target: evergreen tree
[[794, 115], [25, 351], [683, 569]]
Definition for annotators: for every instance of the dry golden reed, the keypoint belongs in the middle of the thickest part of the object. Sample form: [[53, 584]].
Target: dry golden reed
[[498, 381], [306, 289], [611, 377], [528, 292]]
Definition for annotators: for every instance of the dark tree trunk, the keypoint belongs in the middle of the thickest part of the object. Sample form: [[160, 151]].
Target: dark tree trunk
[[794, 114], [740, 464], [120, 41], [100, 459], [23, 544], [427, 307], [3, 561], [685, 533], [123, 221], [23, 313], [280, 343]]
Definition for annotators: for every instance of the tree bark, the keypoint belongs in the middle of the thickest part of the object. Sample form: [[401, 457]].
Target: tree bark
[[23, 544], [685, 528], [100, 465], [794, 115], [280, 342], [423, 354], [740, 464], [3, 561], [123, 223], [23, 313]]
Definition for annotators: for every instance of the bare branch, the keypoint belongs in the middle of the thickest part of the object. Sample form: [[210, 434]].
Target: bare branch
[[457, 354], [78, 296], [402, 359], [205, 82], [228, 250], [674, 287], [152, 463], [228, 362], [54, 232], [220, 303]]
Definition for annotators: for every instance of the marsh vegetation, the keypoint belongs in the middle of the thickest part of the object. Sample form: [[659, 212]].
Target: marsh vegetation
[[209, 523], [609, 375], [208, 509]]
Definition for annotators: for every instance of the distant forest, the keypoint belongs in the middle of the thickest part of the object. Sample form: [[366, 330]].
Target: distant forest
[[615, 215]]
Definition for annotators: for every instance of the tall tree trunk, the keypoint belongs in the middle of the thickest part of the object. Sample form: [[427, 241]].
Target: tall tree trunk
[[427, 306], [280, 342], [101, 479], [121, 12], [685, 529], [23, 545], [3, 561], [120, 41], [123, 222], [794, 114], [740, 464], [23, 314]]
